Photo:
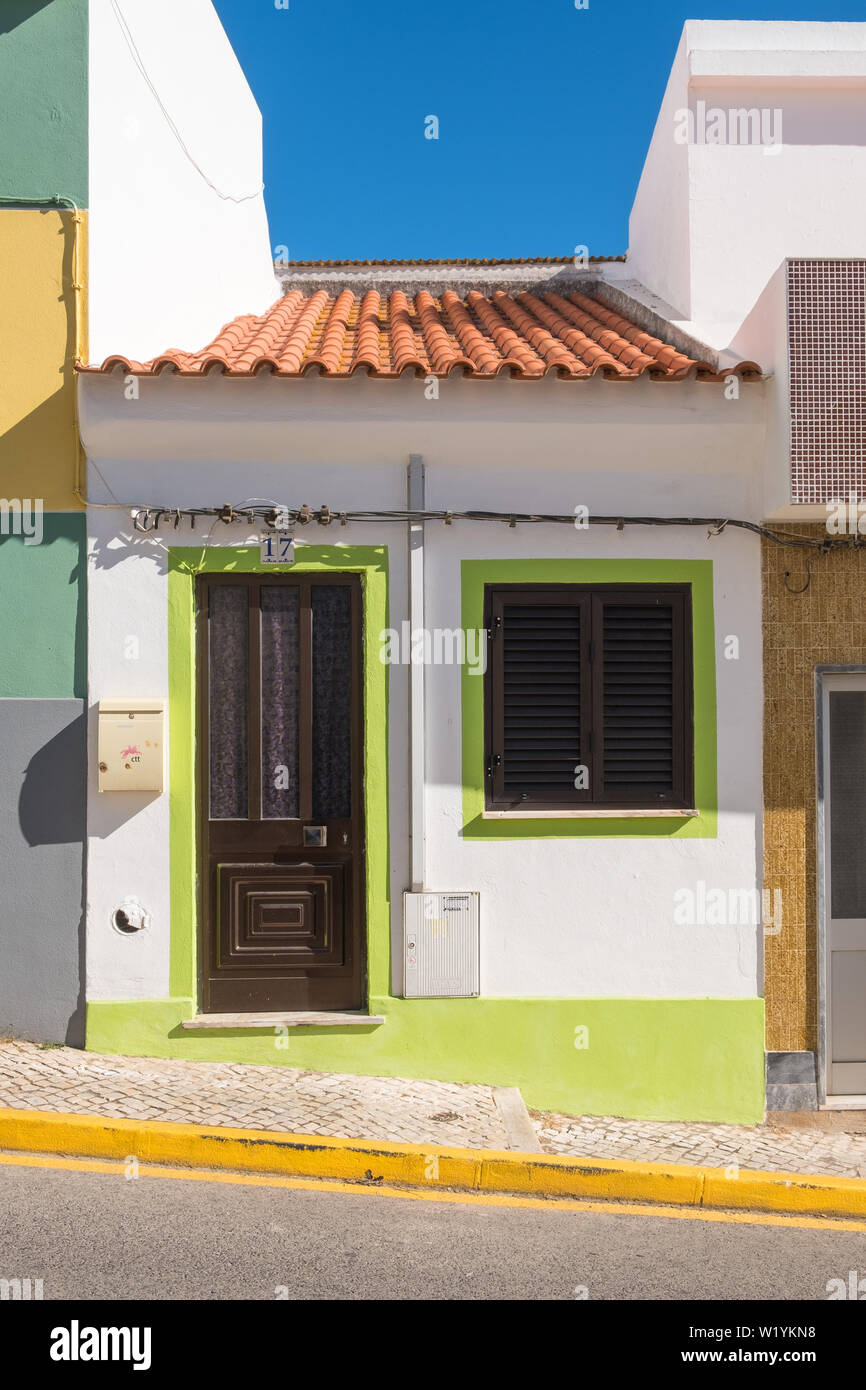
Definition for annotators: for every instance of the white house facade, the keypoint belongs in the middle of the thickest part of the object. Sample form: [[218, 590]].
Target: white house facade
[[430, 600]]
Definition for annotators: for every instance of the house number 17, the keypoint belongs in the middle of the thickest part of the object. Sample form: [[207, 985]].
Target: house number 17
[[278, 550]]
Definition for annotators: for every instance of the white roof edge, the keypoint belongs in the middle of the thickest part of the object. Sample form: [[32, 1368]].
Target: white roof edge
[[778, 35], [792, 65]]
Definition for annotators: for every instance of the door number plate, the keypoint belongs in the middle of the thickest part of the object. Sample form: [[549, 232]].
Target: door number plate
[[278, 550]]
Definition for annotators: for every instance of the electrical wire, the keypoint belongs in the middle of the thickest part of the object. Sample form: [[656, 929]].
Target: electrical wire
[[139, 63], [147, 518]]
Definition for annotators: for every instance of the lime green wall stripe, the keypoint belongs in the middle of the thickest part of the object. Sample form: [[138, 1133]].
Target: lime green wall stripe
[[371, 562], [699, 574], [183, 971], [656, 1059]]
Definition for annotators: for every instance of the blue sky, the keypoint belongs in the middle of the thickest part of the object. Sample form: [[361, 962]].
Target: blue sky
[[545, 113]]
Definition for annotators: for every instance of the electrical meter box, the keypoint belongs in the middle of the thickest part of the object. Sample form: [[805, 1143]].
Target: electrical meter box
[[441, 939], [131, 745]]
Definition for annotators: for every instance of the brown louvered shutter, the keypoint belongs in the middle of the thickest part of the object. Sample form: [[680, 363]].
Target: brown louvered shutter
[[639, 697], [542, 648], [595, 678]]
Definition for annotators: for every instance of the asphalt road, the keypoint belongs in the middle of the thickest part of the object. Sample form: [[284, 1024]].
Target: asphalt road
[[99, 1236]]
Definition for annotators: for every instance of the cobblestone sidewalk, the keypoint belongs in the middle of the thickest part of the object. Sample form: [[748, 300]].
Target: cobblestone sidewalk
[[771, 1146], [389, 1108], [249, 1097]]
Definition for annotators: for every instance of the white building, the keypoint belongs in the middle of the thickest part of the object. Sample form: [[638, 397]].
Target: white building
[[586, 810]]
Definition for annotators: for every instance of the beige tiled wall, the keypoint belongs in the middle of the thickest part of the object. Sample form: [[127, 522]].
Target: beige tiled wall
[[825, 625]]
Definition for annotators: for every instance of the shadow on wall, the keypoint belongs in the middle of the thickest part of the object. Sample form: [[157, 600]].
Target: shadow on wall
[[42, 933], [52, 811], [126, 541], [51, 807], [15, 12], [41, 444]]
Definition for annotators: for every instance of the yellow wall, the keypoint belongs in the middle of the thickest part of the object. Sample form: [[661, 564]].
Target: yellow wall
[[825, 625], [37, 350]]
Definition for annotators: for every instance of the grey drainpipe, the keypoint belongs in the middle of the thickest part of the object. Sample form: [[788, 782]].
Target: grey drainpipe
[[416, 496]]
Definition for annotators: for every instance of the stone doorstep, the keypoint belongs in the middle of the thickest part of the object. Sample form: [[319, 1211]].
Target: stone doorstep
[[289, 1020]]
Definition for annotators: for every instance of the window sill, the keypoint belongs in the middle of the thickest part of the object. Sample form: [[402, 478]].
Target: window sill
[[633, 813]]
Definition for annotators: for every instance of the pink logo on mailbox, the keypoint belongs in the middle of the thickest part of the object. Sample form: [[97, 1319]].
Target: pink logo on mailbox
[[131, 751]]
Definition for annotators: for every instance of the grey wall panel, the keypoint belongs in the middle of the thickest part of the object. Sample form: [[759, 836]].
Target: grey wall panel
[[43, 780]]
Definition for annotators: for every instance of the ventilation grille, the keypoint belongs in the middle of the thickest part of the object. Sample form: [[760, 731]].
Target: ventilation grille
[[541, 669], [827, 364], [638, 699]]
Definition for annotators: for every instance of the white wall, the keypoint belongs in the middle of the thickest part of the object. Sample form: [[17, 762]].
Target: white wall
[[710, 236], [595, 916], [657, 447], [561, 917], [659, 223], [763, 337], [128, 848], [171, 258]]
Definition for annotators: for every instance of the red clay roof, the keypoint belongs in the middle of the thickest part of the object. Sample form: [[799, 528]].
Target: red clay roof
[[525, 335]]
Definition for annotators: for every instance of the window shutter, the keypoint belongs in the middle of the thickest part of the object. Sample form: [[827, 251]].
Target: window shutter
[[589, 677], [542, 653], [640, 697]]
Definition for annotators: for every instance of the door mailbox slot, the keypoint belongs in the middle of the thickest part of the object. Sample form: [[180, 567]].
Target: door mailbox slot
[[131, 745], [315, 836]]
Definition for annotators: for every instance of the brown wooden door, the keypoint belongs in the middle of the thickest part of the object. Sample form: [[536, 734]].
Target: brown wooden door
[[279, 661]]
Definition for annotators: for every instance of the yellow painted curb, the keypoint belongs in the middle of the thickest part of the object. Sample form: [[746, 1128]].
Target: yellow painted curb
[[243, 1150], [792, 1192], [428, 1166]]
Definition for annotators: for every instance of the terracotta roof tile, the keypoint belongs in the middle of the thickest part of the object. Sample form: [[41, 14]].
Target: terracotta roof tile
[[528, 334]]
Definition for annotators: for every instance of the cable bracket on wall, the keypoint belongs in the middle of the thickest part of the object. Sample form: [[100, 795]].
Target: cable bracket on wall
[[147, 517], [787, 576]]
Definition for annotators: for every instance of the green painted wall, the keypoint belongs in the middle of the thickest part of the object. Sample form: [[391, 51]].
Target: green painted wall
[[657, 1059], [699, 574], [43, 98], [44, 120], [43, 611]]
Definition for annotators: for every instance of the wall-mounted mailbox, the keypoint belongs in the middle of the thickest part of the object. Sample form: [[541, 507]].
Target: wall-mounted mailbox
[[131, 745]]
